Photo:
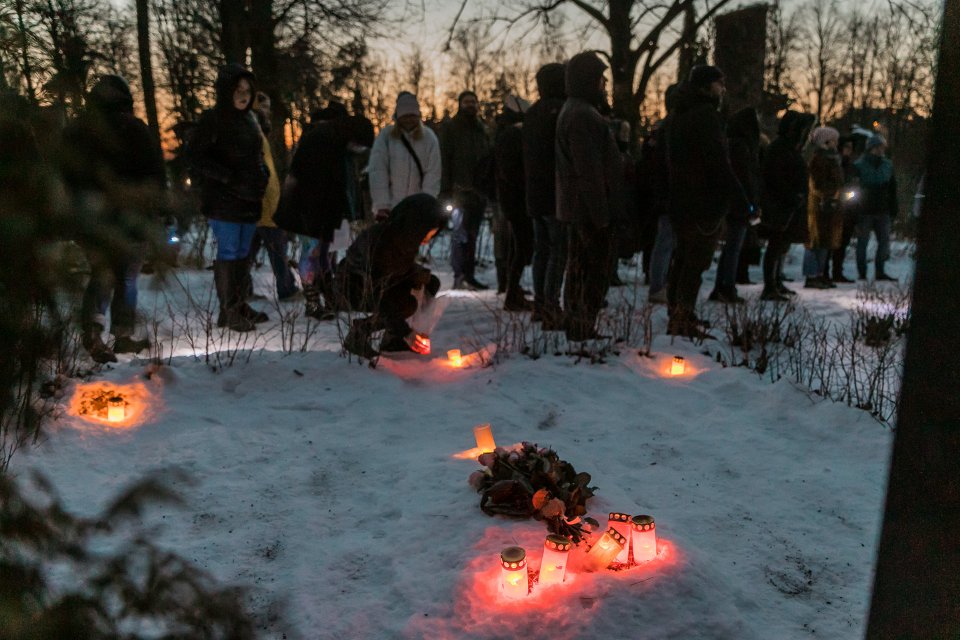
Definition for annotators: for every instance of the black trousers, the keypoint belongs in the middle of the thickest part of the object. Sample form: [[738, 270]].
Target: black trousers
[[777, 246], [588, 277], [692, 256], [519, 254], [391, 305]]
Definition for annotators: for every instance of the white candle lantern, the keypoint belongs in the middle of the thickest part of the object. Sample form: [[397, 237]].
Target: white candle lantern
[[678, 367], [513, 573], [455, 357], [621, 522], [484, 436], [116, 409], [644, 538], [556, 551], [605, 551]]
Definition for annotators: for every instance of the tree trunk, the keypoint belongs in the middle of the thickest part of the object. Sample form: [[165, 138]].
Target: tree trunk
[[916, 592], [234, 35], [688, 47], [263, 58], [146, 66], [623, 64], [25, 53]]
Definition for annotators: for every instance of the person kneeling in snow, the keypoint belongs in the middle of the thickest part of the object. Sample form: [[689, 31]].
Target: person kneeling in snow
[[379, 274]]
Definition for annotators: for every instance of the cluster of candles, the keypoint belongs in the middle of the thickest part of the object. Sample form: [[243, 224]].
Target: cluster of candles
[[614, 545]]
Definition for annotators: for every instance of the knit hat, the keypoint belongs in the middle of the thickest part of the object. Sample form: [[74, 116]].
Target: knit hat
[[703, 75], [875, 141], [407, 105], [464, 94], [822, 135]]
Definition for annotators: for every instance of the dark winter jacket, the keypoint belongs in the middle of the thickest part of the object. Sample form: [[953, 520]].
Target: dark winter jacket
[[824, 213], [384, 255], [703, 186], [589, 173], [464, 149], [315, 200], [508, 159], [225, 154], [784, 178], [878, 186], [743, 133], [107, 146], [539, 142]]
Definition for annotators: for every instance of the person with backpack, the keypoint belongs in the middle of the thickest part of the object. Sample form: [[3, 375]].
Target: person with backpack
[[404, 160]]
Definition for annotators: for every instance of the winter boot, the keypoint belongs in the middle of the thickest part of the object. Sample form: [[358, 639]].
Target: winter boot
[[772, 295], [124, 343], [95, 346], [313, 307], [242, 268], [357, 341], [228, 291]]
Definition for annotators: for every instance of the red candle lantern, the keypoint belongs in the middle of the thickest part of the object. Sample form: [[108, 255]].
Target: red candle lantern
[[644, 538], [513, 573], [421, 344], [556, 551], [605, 551], [621, 522], [678, 367]]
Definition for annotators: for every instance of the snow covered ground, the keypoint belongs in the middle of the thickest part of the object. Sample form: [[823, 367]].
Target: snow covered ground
[[332, 491]]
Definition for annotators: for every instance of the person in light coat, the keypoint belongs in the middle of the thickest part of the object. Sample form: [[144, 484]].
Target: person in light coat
[[404, 160]]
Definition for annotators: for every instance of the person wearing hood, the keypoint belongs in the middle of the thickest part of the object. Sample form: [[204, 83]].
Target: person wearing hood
[[465, 152], [878, 205], [225, 156], [512, 200], [380, 273], [824, 213], [743, 134], [317, 198], [108, 151], [589, 184], [703, 188], [539, 136], [405, 158], [784, 196], [268, 235]]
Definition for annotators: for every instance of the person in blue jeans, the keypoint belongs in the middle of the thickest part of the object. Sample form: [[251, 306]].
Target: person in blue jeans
[[878, 206], [107, 146], [225, 156]]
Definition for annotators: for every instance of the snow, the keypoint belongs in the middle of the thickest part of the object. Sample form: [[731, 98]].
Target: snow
[[332, 491]]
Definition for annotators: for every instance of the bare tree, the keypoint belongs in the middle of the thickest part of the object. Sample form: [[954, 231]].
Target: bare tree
[[146, 66]]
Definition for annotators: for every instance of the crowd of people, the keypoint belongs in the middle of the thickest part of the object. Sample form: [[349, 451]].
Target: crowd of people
[[568, 195]]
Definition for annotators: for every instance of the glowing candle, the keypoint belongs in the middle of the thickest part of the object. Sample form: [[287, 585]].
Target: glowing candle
[[621, 522], [556, 550], [484, 436], [605, 551], [116, 409], [678, 367], [644, 538], [454, 357], [513, 573], [421, 344]]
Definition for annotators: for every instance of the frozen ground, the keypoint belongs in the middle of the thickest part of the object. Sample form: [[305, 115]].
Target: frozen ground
[[332, 491]]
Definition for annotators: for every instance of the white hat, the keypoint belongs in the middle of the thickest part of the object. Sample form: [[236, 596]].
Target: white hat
[[407, 105]]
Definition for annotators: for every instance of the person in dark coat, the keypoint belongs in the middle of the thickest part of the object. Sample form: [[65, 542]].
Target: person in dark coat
[[464, 151], [703, 188], [743, 135], [380, 272], [539, 163], [824, 213], [656, 180], [589, 187], [850, 203], [316, 200], [784, 198], [225, 155], [878, 206], [511, 197], [107, 149]]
